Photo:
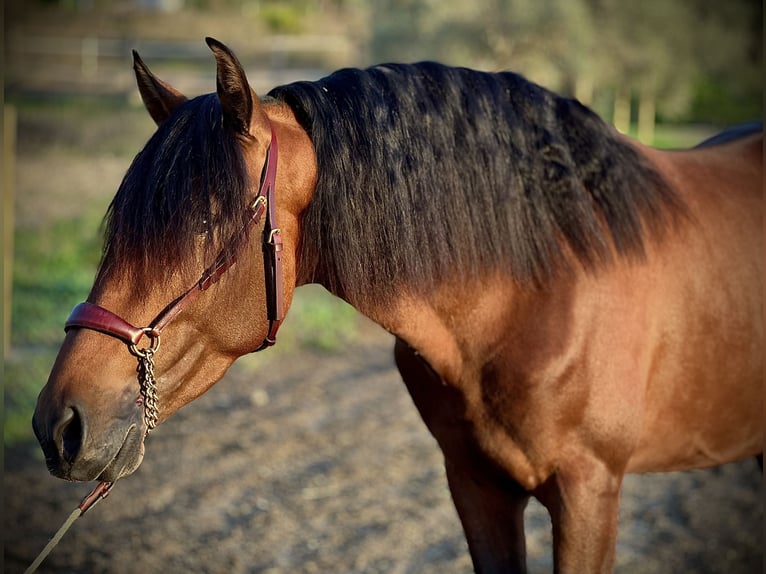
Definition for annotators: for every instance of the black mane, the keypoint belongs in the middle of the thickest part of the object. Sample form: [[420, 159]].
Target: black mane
[[183, 195], [427, 172]]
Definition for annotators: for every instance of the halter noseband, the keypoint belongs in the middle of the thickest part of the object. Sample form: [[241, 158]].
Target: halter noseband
[[91, 316]]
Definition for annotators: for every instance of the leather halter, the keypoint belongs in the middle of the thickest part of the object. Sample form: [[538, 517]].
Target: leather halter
[[91, 316]]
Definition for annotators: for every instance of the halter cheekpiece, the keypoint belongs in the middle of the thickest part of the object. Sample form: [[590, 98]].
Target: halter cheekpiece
[[91, 316]]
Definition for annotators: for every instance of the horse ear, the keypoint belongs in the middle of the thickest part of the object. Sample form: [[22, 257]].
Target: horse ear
[[159, 98], [241, 108]]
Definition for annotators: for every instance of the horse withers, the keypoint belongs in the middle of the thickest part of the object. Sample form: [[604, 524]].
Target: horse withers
[[568, 305]]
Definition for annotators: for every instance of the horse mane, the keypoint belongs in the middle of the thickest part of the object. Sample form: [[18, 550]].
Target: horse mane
[[428, 172], [181, 200], [425, 172]]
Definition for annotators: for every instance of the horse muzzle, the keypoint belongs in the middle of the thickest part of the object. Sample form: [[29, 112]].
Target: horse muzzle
[[78, 448]]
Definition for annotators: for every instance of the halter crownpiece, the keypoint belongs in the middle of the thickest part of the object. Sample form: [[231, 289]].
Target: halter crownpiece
[[94, 317]]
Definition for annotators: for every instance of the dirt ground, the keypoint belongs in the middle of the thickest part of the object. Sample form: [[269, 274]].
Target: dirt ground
[[297, 462]]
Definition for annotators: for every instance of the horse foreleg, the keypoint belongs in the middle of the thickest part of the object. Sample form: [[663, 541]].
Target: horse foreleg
[[492, 514], [490, 505], [583, 501]]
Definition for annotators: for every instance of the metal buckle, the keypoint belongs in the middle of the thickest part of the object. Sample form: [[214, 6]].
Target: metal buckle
[[272, 233], [260, 199]]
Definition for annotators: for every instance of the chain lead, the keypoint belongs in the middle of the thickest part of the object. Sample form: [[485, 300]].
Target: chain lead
[[148, 388]]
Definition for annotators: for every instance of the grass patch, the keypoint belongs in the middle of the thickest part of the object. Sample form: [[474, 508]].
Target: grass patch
[[676, 136], [24, 374], [669, 136], [53, 270], [319, 321]]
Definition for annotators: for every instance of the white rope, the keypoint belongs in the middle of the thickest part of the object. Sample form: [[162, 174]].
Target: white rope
[[76, 513], [99, 493]]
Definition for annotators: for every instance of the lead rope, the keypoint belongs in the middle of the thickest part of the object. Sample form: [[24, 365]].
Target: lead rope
[[99, 493]]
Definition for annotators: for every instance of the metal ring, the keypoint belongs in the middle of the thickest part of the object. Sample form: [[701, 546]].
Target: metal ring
[[154, 339]]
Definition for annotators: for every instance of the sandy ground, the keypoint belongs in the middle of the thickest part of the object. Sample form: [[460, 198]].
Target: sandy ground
[[297, 462]]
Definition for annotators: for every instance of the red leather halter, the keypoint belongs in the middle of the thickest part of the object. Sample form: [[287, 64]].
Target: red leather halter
[[90, 316]]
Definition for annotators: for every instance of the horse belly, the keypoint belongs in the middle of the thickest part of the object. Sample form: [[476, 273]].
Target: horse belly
[[700, 427]]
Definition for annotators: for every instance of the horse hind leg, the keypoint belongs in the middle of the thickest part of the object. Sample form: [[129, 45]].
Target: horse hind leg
[[759, 458], [489, 504]]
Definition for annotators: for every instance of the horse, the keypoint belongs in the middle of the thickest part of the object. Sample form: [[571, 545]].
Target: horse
[[568, 304]]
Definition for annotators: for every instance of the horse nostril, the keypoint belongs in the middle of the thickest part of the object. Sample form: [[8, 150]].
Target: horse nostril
[[69, 433]]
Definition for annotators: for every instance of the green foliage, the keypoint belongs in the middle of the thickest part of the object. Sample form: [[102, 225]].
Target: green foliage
[[283, 18], [53, 270], [319, 321], [725, 102], [24, 374], [698, 60]]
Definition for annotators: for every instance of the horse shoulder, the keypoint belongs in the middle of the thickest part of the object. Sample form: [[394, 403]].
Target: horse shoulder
[[527, 374]]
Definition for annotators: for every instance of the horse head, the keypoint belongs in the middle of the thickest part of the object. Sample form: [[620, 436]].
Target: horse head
[[188, 212]]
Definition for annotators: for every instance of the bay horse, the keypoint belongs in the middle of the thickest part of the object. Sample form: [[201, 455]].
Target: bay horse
[[568, 304]]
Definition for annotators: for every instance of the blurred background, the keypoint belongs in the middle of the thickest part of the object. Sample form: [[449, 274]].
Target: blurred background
[[669, 72]]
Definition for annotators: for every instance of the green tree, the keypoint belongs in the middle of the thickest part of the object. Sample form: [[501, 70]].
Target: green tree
[[729, 43], [674, 59]]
